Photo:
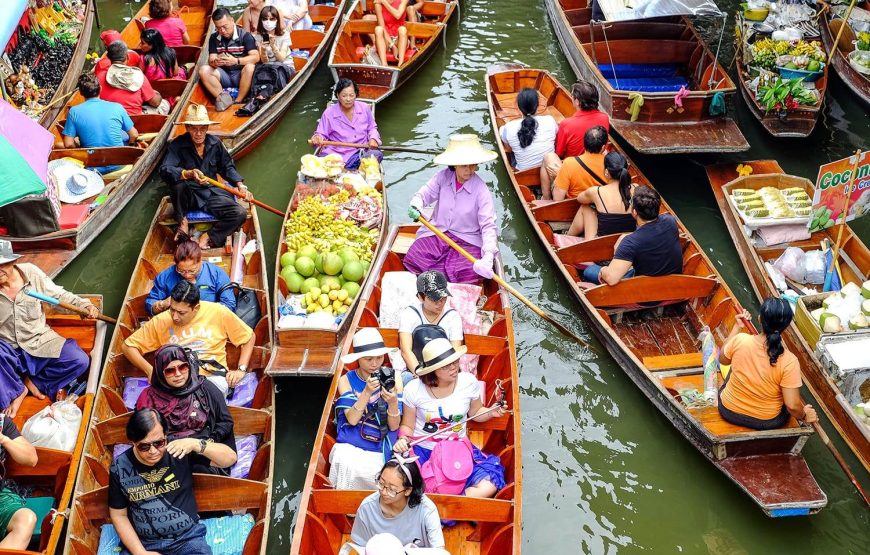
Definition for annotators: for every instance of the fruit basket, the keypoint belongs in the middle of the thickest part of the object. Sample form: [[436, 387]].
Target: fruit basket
[[803, 74]]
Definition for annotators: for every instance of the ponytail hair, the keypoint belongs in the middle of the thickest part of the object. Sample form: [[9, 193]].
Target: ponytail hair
[[776, 315], [527, 102], [617, 167]]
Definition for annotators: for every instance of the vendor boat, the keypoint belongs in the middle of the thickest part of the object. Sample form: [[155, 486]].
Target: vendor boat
[[322, 525], [851, 63], [658, 347]]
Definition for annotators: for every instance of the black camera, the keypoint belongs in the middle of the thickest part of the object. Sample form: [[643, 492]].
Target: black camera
[[387, 377]]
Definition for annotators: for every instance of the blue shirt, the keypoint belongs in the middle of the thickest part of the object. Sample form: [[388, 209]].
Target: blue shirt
[[210, 279], [97, 122]]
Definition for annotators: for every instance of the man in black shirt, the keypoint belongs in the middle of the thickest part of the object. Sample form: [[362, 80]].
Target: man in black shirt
[[232, 58], [191, 158]]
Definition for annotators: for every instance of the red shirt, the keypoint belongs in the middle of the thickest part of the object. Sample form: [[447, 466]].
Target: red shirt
[[569, 138], [132, 101], [103, 64]]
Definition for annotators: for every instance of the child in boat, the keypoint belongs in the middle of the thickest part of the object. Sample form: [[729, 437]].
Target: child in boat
[[763, 387], [16, 521], [367, 414]]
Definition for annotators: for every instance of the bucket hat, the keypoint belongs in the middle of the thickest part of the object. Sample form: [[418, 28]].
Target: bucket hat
[[6, 253], [438, 353], [367, 342], [464, 150], [74, 183], [122, 76], [196, 114]]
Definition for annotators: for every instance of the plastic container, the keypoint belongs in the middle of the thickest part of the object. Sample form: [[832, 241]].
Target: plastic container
[[754, 14], [808, 76]]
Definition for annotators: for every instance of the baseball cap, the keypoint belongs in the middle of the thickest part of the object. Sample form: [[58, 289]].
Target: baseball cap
[[433, 284]]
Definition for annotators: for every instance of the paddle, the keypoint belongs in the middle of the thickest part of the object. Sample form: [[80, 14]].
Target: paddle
[[381, 147], [236, 192], [68, 306], [827, 441], [843, 24], [537, 310], [830, 273]]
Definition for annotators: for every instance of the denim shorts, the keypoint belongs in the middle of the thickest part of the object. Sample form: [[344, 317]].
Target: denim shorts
[[230, 78]]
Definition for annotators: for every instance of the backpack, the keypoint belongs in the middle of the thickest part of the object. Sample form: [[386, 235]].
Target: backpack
[[268, 80], [426, 332], [449, 467]]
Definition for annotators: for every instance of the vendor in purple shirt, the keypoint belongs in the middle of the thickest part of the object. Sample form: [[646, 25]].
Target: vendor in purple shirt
[[463, 210], [348, 121]]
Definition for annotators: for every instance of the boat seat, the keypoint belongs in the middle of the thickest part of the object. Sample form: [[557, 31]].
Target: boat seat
[[73, 215], [391, 58], [650, 84], [226, 535], [632, 71], [246, 450], [198, 217]]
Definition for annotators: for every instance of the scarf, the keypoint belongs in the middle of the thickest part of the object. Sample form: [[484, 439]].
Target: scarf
[[186, 408]]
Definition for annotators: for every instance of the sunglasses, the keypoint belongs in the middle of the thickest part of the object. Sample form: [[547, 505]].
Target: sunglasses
[[144, 446], [176, 370]]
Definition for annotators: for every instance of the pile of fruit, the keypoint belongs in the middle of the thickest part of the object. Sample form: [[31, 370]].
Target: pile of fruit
[[770, 202], [768, 54], [848, 308]]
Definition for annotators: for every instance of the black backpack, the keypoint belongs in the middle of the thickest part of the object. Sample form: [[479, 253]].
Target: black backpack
[[268, 80], [425, 332]]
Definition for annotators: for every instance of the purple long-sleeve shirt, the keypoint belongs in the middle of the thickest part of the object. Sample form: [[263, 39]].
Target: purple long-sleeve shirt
[[334, 126], [468, 212]]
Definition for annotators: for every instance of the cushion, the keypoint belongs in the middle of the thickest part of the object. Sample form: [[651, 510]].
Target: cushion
[[41, 506], [650, 84], [243, 394], [637, 70], [226, 535], [409, 53], [133, 387], [562, 240], [199, 216], [464, 301], [73, 215], [246, 448]]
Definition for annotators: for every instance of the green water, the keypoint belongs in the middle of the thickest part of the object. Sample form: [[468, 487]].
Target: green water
[[603, 471]]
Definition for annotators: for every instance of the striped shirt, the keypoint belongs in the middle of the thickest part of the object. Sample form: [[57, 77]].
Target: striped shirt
[[236, 46]]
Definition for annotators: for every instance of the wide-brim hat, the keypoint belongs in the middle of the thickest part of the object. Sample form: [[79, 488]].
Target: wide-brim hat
[[124, 77], [367, 342], [438, 353], [465, 150], [196, 114], [74, 183], [6, 253]]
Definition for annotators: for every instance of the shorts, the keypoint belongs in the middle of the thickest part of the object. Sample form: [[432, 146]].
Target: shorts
[[10, 504], [230, 78]]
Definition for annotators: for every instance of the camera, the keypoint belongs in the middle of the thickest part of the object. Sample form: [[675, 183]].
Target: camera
[[387, 377]]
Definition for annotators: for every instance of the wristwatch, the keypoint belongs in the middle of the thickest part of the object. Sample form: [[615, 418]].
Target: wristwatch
[[202, 444], [243, 367]]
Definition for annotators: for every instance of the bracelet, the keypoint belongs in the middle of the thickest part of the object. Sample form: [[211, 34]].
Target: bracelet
[[391, 414]]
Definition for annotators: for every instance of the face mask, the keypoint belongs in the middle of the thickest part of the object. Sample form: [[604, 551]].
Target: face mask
[[270, 25]]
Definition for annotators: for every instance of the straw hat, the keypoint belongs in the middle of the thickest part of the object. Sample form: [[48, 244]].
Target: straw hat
[[367, 342], [6, 253], [438, 353], [74, 183], [464, 150], [196, 114]]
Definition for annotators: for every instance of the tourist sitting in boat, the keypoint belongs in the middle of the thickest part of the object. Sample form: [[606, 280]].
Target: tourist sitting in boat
[[398, 507], [189, 266], [158, 60], [128, 86], [531, 137], [273, 39], [151, 501], [442, 394], [295, 13], [232, 58], [171, 26], [33, 357], [108, 37], [569, 137], [651, 250], [463, 210], [17, 522], [390, 32], [190, 159], [250, 19], [367, 414], [348, 121], [193, 406], [201, 326], [97, 122], [431, 310], [762, 389], [580, 173], [606, 209]]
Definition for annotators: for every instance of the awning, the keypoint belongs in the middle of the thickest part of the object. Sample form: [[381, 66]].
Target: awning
[[628, 10], [24, 149], [10, 15]]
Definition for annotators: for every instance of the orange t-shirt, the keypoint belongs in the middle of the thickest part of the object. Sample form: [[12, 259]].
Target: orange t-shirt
[[574, 179], [754, 386]]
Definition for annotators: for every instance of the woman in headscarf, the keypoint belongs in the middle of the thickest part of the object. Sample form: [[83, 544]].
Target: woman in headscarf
[[192, 406]]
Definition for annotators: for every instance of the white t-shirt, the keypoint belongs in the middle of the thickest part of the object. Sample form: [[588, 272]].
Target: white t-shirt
[[282, 42], [409, 319], [543, 143], [288, 7], [437, 412]]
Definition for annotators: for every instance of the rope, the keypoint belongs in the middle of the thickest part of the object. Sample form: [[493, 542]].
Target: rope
[[718, 47], [636, 102], [717, 104], [610, 57]]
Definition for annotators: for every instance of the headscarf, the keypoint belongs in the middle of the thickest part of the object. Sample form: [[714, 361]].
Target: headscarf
[[185, 408]]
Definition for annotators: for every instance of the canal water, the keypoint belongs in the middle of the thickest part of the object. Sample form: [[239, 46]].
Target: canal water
[[603, 471]]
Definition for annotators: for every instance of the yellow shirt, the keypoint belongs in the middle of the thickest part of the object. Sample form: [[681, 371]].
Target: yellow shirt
[[207, 334]]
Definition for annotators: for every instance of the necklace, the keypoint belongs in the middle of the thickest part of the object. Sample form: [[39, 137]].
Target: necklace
[[432, 391]]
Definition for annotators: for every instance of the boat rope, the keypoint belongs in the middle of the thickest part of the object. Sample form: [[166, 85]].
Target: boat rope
[[718, 47], [55, 512], [636, 102], [610, 57]]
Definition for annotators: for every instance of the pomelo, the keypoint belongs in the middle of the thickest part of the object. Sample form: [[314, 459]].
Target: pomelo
[[288, 259], [352, 289], [318, 264], [286, 272], [353, 270], [813, 65], [308, 285], [347, 255], [308, 250], [329, 283], [294, 282], [332, 264], [304, 266]]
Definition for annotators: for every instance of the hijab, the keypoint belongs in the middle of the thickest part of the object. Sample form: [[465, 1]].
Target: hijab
[[185, 408]]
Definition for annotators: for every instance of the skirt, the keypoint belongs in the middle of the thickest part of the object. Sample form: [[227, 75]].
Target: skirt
[[353, 468], [431, 253], [486, 467]]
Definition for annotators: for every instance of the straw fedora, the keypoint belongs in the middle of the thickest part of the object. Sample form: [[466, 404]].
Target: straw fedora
[[464, 150], [367, 342], [438, 353], [196, 114], [74, 183]]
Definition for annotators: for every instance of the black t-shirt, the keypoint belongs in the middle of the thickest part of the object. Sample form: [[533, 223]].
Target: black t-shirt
[[654, 248], [159, 499], [10, 430]]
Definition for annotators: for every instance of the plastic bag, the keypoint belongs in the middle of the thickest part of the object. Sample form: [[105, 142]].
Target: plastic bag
[[710, 355], [55, 427], [791, 264], [814, 267]]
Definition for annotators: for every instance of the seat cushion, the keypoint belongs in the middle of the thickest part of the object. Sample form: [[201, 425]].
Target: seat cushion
[[226, 535], [199, 216], [132, 389], [629, 71], [243, 393], [650, 84], [73, 215]]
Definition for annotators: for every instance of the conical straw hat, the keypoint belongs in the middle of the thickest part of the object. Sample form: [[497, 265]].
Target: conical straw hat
[[464, 150]]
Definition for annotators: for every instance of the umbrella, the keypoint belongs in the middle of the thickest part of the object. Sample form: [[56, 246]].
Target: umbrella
[[24, 150], [10, 16]]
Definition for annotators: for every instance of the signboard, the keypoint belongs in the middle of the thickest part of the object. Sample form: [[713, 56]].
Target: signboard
[[829, 198]]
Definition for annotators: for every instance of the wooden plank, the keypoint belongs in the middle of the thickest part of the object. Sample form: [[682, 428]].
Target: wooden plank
[[646, 289], [450, 507], [669, 362]]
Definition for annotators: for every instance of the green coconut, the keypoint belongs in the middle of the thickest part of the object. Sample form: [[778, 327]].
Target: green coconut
[[830, 323], [858, 322], [865, 290], [831, 300], [817, 314]]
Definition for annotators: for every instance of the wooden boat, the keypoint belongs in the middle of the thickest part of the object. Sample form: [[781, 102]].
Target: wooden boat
[[657, 347], [53, 251], [377, 82], [242, 134], [107, 427], [858, 82], [609, 55], [800, 121], [311, 351], [855, 265], [55, 473], [322, 526]]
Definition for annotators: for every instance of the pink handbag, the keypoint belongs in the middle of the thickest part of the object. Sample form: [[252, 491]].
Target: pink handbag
[[449, 467]]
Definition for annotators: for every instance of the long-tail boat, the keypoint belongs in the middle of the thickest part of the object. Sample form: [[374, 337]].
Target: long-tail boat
[[657, 347], [855, 267], [830, 23], [242, 134], [322, 525], [79, 225], [55, 472], [377, 82], [250, 495], [641, 68]]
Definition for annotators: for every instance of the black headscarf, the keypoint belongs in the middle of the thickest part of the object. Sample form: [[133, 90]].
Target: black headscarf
[[185, 408]]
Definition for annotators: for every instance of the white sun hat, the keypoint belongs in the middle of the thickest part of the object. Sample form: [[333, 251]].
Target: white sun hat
[[438, 353], [196, 114], [464, 150], [74, 183], [367, 342]]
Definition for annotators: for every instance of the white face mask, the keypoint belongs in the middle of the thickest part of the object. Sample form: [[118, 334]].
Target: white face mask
[[270, 25]]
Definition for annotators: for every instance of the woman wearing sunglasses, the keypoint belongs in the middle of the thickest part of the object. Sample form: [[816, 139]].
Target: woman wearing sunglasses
[[151, 502], [192, 406]]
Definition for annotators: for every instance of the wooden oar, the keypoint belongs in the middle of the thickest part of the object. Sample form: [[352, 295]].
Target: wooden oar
[[535, 308], [236, 192], [72, 307], [843, 23], [380, 147], [827, 441]]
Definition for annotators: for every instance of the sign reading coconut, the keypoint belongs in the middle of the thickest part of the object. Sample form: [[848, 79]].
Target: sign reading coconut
[[829, 198]]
